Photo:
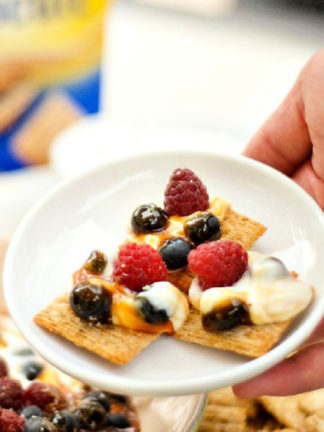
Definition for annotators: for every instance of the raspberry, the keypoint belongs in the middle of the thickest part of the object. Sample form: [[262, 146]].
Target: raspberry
[[11, 394], [10, 421], [185, 193], [3, 368], [47, 397], [138, 265], [218, 263]]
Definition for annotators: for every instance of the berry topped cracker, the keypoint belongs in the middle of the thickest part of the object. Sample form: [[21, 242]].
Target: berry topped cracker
[[185, 271]]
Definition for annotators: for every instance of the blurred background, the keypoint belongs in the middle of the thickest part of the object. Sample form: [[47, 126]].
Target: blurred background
[[82, 82]]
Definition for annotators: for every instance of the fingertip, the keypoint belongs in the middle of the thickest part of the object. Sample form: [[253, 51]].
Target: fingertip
[[242, 391], [307, 178]]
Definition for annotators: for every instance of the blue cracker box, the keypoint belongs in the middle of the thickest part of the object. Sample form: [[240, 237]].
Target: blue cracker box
[[50, 56]]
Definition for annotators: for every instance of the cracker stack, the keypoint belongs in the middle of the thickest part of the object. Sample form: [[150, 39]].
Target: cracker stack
[[300, 413]]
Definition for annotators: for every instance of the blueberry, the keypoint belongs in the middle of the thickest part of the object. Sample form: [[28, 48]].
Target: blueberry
[[96, 263], [149, 313], [38, 424], [99, 396], [230, 316], [65, 421], [174, 253], [148, 218], [118, 421], [30, 411], [32, 370], [91, 415], [91, 302], [203, 227]]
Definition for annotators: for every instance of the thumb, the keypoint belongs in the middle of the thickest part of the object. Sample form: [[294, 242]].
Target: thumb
[[307, 178], [299, 373]]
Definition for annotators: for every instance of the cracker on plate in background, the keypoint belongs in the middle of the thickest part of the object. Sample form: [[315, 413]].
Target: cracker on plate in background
[[32, 142], [12, 72], [225, 412], [303, 412], [315, 422], [286, 410], [14, 103]]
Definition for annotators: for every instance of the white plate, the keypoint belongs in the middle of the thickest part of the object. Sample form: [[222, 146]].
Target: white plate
[[93, 211]]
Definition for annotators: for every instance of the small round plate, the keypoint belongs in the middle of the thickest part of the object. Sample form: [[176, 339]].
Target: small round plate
[[93, 211]]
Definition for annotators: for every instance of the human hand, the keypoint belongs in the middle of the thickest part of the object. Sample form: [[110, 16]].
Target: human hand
[[299, 373], [292, 141]]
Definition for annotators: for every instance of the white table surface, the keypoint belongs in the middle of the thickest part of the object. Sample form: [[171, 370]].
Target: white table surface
[[224, 74]]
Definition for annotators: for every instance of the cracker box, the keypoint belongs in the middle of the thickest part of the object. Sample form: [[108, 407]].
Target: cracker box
[[50, 55]]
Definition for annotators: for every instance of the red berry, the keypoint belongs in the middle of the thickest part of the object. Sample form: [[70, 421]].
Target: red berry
[[218, 263], [47, 397], [11, 394], [10, 421], [185, 193], [3, 368], [138, 265]]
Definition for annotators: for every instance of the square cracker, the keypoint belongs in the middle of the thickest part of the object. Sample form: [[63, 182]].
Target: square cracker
[[12, 72], [33, 140], [286, 410], [315, 422], [14, 103], [312, 402], [117, 344], [241, 229], [249, 340], [226, 397]]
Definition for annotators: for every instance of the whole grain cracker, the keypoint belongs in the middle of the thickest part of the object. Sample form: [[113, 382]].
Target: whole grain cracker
[[249, 340], [241, 229], [117, 344], [269, 426], [259, 420], [285, 430], [32, 142], [11, 72], [225, 411], [181, 279], [312, 401], [226, 397], [315, 422], [14, 103], [215, 426], [286, 410], [228, 414]]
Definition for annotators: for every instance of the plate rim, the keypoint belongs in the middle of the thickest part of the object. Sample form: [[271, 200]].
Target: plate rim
[[165, 388]]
